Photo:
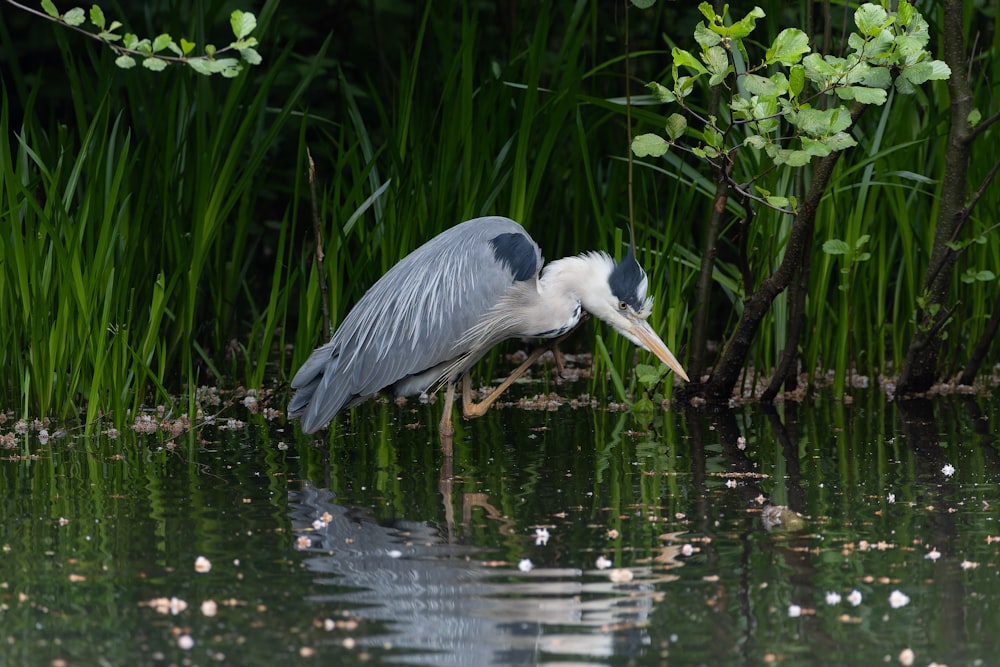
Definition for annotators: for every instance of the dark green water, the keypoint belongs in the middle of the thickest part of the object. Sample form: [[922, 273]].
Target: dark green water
[[364, 549]]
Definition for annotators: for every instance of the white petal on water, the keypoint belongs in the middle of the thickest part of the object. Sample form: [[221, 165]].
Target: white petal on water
[[898, 599]]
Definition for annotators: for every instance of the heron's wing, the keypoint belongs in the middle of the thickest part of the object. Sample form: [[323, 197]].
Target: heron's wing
[[416, 316]]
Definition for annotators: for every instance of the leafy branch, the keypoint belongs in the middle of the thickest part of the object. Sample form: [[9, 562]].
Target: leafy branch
[[763, 108], [157, 53]]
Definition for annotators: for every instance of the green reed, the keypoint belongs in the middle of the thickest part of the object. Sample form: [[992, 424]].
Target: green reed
[[158, 234]]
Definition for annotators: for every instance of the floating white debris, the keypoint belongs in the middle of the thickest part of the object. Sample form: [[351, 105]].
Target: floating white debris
[[209, 608], [969, 565], [832, 598], [794, 611], [854, 597], [948, 470], [202, 565], [933, 554], [687, 550], [541, 536], [741, 443], [185, 642], [621, 575], [730, 483], [602, 563], [906, 657], [394, 553], [319, 524], [891, 497], [898, 599], [525, 565]]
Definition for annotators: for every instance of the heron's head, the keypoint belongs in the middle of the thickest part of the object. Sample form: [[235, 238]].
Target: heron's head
[[617, 295]]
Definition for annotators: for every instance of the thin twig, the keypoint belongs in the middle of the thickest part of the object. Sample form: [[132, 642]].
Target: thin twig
[[318, 229]]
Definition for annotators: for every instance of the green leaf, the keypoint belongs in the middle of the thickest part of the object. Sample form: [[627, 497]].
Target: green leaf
[[200, 65], [210, 50], [871, 19], [861, 94], [927, 70], [712, 137], [130, 40], [683, 58], [649, 145], [684, 85], [250, 56], [836, 247], [175, 49], [643, 4], [821, 122], [903, 86], [647, 375], [227, 67], [708, 12], [755, 141], [815, 147], [97, 16], [974, 117], [125, 62], [818, 69], [50, 9], [705, 37], [644, 406], [777, 202], [792, 158], [839, 141], [155, 64], [75, 16], [796, 80], [161, 42], [985, 276], [718, 64], [114, 26], [661, 93], [755, 84], [873, 77], [787, 47], [243, 23], [676, 125], [186, 46], [744, 26]]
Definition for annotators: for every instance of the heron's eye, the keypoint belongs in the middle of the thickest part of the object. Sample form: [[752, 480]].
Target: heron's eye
[[622, 305]]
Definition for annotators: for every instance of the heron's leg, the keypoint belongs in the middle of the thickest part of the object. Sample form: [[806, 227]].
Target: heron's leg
[[470, 409], [446, 428]]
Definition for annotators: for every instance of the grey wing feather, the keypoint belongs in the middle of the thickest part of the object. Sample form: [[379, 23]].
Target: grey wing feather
[[415, 318]]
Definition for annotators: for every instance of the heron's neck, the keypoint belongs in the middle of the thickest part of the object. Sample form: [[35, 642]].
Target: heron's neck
[[575, 278]]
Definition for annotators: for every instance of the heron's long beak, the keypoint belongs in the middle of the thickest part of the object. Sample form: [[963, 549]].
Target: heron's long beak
[[645, 335]]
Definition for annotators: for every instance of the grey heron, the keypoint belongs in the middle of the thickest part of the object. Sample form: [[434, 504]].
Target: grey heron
[[428, 320]]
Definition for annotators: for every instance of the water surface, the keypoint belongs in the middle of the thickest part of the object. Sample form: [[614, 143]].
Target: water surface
[[820, 533]]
